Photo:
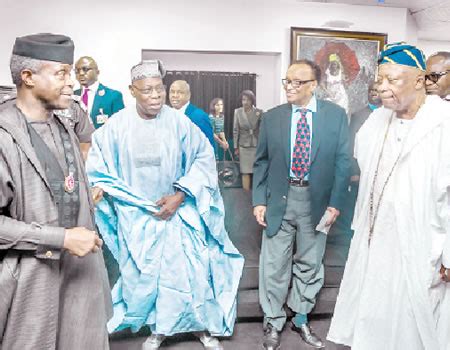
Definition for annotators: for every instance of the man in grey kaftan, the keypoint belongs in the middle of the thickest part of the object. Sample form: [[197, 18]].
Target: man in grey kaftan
[[53, 285]]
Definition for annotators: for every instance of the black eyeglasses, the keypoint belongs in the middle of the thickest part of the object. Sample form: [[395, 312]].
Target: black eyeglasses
[[295, 83], [435, 76], [85, 70], [149, 90]]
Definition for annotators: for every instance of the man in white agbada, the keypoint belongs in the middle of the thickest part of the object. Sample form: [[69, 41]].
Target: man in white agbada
[[395, 291], [162, 218]]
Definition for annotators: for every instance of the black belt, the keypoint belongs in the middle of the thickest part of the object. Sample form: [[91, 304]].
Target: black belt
[[298, 182]]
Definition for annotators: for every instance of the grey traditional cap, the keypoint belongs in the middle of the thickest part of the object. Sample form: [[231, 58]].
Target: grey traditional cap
[[148, 69], [45, 46]]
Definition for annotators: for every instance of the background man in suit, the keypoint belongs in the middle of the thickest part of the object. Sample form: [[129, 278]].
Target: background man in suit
[[300, 175], [179, 96], [101, 101], [438, 75], [356, 121]]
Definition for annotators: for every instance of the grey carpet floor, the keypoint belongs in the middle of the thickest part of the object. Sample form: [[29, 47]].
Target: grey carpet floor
[[247, 336]]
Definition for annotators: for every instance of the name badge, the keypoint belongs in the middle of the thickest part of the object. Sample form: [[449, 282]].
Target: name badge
[[102, 118]]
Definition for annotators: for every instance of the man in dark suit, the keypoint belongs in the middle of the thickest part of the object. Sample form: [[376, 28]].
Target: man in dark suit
[[300, 176], [356, 121], [101, 102], [179, 97]]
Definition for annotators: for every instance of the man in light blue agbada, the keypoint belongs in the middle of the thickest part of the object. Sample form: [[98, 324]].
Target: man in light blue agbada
[[162, 217]]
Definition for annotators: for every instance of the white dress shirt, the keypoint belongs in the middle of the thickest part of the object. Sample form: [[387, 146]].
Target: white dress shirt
[[91, 95]]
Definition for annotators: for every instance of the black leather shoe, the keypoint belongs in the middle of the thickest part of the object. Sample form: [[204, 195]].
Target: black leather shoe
[[308, 335], [271, 338]]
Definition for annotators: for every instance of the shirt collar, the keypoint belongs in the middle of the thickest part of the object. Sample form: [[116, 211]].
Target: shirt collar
[[93, 87], [183, 109], [311, 106]]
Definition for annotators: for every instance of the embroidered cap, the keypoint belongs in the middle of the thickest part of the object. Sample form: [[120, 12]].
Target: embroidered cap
[[148, 69], [404, 54]]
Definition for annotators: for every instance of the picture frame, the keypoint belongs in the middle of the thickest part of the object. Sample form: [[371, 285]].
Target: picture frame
[[348, 62]]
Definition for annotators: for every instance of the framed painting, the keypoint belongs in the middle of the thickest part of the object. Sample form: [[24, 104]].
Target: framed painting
[[348, 62]]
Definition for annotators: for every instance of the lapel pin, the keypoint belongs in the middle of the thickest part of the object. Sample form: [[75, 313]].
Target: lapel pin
[[101, 92]]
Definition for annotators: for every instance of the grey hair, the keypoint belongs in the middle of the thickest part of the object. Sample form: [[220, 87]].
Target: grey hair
[[18, 63]]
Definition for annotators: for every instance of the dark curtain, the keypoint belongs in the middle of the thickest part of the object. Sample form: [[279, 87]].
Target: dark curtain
[[207, 85]]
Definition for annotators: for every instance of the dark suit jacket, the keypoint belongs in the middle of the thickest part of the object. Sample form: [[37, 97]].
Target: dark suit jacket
[[330, 162], [201, 119], [356, 121], [108, 100]]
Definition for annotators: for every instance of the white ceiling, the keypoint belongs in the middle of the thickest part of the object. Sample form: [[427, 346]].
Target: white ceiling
[[432, 16]]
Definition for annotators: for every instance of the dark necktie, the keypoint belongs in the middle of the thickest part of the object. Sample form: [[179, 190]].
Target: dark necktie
[[301, 151]]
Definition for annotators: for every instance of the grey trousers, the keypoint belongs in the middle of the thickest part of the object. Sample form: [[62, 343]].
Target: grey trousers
[[278, 263]]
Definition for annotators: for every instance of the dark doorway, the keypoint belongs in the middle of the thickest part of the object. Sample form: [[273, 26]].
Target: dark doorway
[[207, 85]]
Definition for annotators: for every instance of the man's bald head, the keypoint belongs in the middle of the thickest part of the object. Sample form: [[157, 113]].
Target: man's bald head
[[179, 93], [373, 96], [86, 71], [438, 74]]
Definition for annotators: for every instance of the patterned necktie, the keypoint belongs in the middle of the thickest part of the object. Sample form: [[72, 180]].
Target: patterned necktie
[[301, 151], [84, 98]]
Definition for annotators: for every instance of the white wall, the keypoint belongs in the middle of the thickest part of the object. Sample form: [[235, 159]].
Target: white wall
[[114, 33], [411, 29], [429, 47]]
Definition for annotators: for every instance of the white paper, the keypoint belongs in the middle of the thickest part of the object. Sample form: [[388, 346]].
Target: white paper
[[321, 227]]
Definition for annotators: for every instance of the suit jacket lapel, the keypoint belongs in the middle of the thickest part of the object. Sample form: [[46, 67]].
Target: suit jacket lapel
[[189, 109], [23, 141], [318, 120], [285, 130], [97, 99]]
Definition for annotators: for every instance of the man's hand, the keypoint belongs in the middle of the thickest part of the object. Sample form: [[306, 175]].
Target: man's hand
[[80, 241], [224, 145], [445, 274], [260, 213], [169, 205], [84, 147], [236, 152], [334, 213], [97, 194]]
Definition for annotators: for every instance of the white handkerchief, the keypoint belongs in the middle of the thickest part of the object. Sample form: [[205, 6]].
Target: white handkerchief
[[321, 226]]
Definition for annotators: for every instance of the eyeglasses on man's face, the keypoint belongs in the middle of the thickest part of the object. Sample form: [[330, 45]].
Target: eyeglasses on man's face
[[435, 76], [85, 70], [150, 90], [295, 83]]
